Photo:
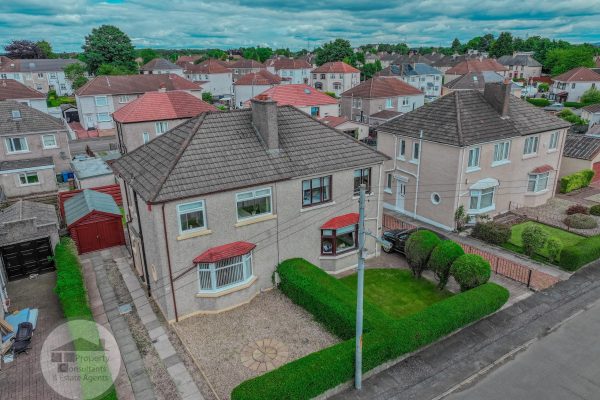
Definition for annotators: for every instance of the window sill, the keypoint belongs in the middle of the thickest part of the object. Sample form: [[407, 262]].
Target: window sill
[[225, 292], [483, 210], [316, 207], [50, 148], [338, 256], [552, 151], [190, 235], [388, 191], [473, 169], [527, 156], [30, 184], [413, 161], [539, 193], [400, 158], [255, 220], [14, 153], [499, 163]]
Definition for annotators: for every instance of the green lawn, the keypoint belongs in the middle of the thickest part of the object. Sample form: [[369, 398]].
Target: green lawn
[[567, 238], [397, 292]]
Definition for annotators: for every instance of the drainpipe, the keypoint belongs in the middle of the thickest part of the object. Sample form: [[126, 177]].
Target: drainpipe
[[137, 211], [127, 217], [418, 171], [169, 263]]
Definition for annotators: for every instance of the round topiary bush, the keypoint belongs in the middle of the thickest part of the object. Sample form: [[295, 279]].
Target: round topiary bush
[[441, 260], [554, 247], [533, 238], [577, 209], [595, 210], [470, 271], [580, 221], [418, 247]]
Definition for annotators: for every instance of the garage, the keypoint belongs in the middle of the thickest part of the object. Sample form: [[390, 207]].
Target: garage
[[94, 221], [28, 234]]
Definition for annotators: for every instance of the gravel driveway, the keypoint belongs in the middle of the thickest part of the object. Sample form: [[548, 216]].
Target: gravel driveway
[[270, 328]]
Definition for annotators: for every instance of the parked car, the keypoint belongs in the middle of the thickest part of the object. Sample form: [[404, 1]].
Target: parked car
[[398, 239], [555, 107]]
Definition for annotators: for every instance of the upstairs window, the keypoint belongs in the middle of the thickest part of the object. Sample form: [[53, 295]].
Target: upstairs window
[[501, 151], [101, 101], [356, 102], [473, 158], [553, 144], [531, 145], [316, 191], [315, 111], [123, 99], [322, 76], [191, 216], [416, 151], [49, 142], [361, 176], [161, 127], [254, 203], [401, 149], [145, 137], [389, 103], [16, 114], [16, 145]]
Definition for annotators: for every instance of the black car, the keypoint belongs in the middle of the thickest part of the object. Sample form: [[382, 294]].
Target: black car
[[398, 238]]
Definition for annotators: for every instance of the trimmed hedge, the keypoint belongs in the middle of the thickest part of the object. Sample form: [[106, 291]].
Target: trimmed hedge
[[418, 248], [539, 102], [586, 251], [470, 271], [595, 210], [491, 232], [573, 104], [441, 260], [318, 372], [580, 221], [576, 181]]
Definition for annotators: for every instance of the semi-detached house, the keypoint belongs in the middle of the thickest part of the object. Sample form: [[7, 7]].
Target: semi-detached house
[[14, 90], [214, 77], [215, 204], [42, 75], [571, 85], [335, 77], [296, 71]]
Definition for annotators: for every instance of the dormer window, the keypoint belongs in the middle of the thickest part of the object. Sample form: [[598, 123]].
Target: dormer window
[[16, 114]]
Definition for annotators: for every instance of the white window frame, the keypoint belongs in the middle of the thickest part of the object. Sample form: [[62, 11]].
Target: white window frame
[[553, 142], [388, 183], [251, 195], [416, 145], [9, 143], [356, 102], [474, 159], [16, 114], [530, 146], [100, 117], [161, 127], [401, 150], [98, 102], [123, 99], [25, 175], [478, 193], [54, 146], [212, 270], [145, 137], [537, 180], [501, 153], [389, 103], [200, 207]]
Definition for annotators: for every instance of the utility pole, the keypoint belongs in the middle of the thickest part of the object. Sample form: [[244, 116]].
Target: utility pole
[[360, 288]]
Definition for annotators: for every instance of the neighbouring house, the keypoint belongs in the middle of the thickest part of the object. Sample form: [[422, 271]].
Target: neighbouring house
[[153, 114], [253, 84], [242, 67], [522, 65], [488, 152], [14, 90], [444, 63], [581, 152], [335, 77], [591, 114], [475, 65], [183, 60], [161, 66], [419, 75], [34, 150], [378, 94], [355, 129], [90, 172], [304, 98], [42, 75], [383, 116], [98, 99], [215, 78], [246, 190], [477, 81], [405, 59], [297, 71], [571, 85]]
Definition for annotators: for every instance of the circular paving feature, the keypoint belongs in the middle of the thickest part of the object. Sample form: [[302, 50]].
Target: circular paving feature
[[264, 355]]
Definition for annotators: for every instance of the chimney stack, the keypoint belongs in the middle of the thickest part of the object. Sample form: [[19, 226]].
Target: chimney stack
[[497, 94], [162, 87], [264, 119]]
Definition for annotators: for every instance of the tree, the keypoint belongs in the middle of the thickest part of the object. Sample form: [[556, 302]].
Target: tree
[[502, 46], [456, 46], [369, 70], [207, 97], [534, 238], [46, 49], [470, 271], [76, 74], [591, 96], [107, 44], [111, 69], [147, 55], [23, 49], [418, 249], [561, 60], [336, 50], [441, 259]]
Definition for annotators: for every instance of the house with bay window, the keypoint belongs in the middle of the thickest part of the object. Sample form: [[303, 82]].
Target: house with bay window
[[216, 203], [486, 151]]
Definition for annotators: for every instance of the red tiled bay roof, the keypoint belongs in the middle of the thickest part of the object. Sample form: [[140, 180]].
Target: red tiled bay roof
[[332, 121], [341, 221], [297, 95], [541, 169], [224, 252], [338, 67]]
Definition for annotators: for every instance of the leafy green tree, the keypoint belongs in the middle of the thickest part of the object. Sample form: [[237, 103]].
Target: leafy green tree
[[283, 52], [46, 49], [111, 69], [369, 70], [534, 238], [147, 55], [561, 60], [107, 44], [554, 246], [216, 54], [418, 248], [470, 271], [337, 50], [456, 46], [76, 74], [207, 97], [502, 46], [23, 49], [591, 96], [260, 54], [441, 259]]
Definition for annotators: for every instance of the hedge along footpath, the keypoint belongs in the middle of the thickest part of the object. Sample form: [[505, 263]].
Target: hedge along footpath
[[318, 372], [72, 294], [576, 256], [576, 181]]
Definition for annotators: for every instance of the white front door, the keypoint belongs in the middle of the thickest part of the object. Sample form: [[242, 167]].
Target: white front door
[[400, 194], [89, 121]]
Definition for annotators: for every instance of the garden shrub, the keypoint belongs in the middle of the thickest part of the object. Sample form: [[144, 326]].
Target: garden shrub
[[418, 247], [491, 232], [573, 104], [554, 247], [539, 102], [441, 260], [577, 209], [595, 210], [580, 221], [576, 181], [534, 238], [470, 271], [576, 256]]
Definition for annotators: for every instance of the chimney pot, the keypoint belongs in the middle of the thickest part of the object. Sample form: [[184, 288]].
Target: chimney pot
[[264, 119]]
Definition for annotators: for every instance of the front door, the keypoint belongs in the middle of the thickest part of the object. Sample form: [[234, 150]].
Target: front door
[[400, 195]]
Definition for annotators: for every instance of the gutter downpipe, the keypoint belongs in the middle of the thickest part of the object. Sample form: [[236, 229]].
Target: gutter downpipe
[[169, 263], [418, 171], [137, 211]]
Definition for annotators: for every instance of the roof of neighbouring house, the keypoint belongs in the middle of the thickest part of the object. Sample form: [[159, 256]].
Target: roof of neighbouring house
[[244, 63], [157, 106], [207, 67], [134, 84], [219, 151], [31, 119], [519, 59], [332, 121], [298, 95], [579, 74], [409, 59], [159, 63], [11, 89], [341, 221], [474, 80], [35, 65], [543, 79], [408, 70], [338, 67], [584, 147], [223, 252], [26, 163], [592, 108], [43, 214], [87, 201], [464, 118], [381, 86], [188, 59], [386, 114], [476, 65], [262, 77], [288, 63], [89, 167]]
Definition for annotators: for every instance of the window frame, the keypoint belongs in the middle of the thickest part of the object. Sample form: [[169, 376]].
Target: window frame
[[123, 99], [96, 98], [247, 264], [401, 150], [389, 103], [26, 175], [362, 176], [389, 179], [53, 136], [107, 119], [202, 208], [526, 145], [311, 188], [477, 160], [160, 124], [333, 238], [145, 137], [254, 196], [505, 153], [418, 152], [553, 141], [479, 194], [10, 140], [536, 179]]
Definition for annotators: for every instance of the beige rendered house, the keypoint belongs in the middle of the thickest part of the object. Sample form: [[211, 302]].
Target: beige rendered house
[[161, 66], [522, 65], [335, 77], [252, 84], [486, 151], [14, 90]]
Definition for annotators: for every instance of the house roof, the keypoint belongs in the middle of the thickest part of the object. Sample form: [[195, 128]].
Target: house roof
[[592, 108], [222, 151], [31, 120], [87, 201], [474, 80], [11, 89], [262, 77], [579, 74], [332, 121], [464, 118], [35, 65], [341, 221], [244, 63], [157, 106], [223, 252], [386, 114], [159, 63], [409, 59], [338, 67], [43, 214], [408, 70], [543, 79], [207, 67], [584, 147], [519, 59], [298, 95], [187, 59], [26, 163], [476, 65], [90, 167], [288, 63], [133, 84], [380, 86]]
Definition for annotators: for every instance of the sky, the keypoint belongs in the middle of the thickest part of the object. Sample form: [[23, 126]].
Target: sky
[[297, 23]]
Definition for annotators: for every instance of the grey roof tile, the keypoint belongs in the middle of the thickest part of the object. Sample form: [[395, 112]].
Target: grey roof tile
[[584, 147], [31, 120], [26, 163], [24, 209]]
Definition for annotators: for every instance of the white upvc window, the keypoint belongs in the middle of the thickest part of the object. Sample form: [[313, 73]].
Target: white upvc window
[[103, 117], [16, 145], [405, 101], [401, 149], [161, 127], [416, 153], [225, 274], [553, 144], [254, 203], [101, 101], [191, 216], [388, 183], [29, 178], [16, 114], [538, 182], [123, 99], [501, 152], [49, 141], [473, 163], [389, 103], [145, 137], [531, 145], [482, 200], [356, 102]]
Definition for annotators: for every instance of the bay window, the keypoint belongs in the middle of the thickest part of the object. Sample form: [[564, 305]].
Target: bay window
[[316, 191], [361, 176], [482, 199], [339, 241], [224, 274], [538, 182], [191, 216], [253, 203]]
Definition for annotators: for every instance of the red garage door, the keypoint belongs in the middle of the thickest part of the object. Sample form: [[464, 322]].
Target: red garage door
[[98, 235], [596, 168]]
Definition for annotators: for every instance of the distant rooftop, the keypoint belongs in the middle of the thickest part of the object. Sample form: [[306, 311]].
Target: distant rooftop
[[89, 167]]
